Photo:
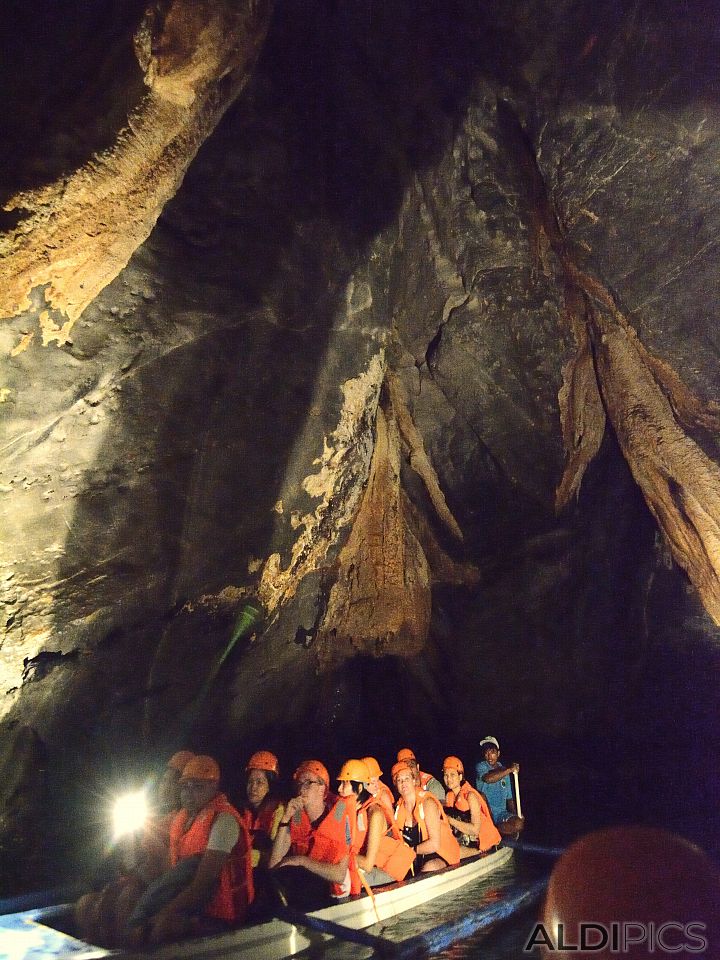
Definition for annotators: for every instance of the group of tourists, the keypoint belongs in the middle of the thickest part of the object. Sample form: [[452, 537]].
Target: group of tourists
[[202, 864]]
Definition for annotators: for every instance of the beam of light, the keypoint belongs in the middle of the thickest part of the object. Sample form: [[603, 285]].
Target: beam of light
[[129, 813]]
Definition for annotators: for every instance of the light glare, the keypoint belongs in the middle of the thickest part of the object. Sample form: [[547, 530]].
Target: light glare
[[130, 813]]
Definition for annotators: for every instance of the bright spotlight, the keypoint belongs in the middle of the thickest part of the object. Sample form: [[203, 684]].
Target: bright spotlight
[[130, 813]]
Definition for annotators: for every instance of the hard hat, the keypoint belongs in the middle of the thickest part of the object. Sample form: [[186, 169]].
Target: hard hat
[[453, 763], [263, 760], [373, 766], [201, 768], [489, 742], [399, 767], [405, 754], [178, 761], [355, 770], [315, 768]]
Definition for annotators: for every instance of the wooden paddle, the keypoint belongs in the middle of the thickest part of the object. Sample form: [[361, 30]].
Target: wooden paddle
[[516, 778], [383, 947]]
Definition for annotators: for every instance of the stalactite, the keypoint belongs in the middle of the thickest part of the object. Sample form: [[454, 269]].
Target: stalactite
[[76, 234], [680, 483], [380, 602], [418, 457], [582, 416]]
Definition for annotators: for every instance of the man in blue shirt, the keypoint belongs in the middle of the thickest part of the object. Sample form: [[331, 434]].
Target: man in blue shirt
[[492, 779]]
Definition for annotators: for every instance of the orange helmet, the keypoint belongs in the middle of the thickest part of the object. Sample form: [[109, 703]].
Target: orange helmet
[[354, 770], [178, 761], [405, 754], [315, 768], [399, 767], [201, 768], [453, 763], [373, 766], [263, 760]]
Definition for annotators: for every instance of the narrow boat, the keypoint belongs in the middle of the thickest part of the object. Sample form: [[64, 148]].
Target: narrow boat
[[35, 934]]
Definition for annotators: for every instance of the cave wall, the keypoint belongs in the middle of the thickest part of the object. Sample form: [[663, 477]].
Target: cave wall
[[367, 204]]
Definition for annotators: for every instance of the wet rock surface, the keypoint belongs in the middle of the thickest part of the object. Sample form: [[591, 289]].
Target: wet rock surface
[[369, 204]]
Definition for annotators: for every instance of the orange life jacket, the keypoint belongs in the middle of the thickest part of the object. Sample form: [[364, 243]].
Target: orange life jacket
[[449, 848], [235, 889], [393, 855], [489, 835], [329, 840], [262, 825], [262, 820], [386, 797], [424, 779]]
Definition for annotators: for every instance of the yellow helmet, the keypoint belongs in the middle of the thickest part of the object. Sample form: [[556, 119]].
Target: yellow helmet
[[373, 766], [354, 770]]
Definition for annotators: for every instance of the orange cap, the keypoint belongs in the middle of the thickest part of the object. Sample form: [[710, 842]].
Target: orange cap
[[398, 767], [406, 754], [315, 768], [373, 766], [453, 763], [201, 768], [178, 761], [263, 760]]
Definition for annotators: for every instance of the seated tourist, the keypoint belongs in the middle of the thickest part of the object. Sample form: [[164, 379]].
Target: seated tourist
[[420, 818], [492, 780], [311, 855], [209, 886], [156, 842], [467, 811], [136, 860], [262, 810], [426, 781], [377, 788], [380, 854]]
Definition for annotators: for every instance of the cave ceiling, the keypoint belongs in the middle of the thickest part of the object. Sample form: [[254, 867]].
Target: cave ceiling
[[399, 324]]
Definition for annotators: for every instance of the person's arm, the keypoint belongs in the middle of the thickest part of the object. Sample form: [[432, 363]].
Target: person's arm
[[278, 817], [432, 822], [281, 844], [171, 922], [492, 776], [335, 872], [471, 829], [376, 828]]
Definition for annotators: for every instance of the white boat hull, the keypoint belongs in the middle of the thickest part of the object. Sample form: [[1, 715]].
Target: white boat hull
[[271, 940]]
